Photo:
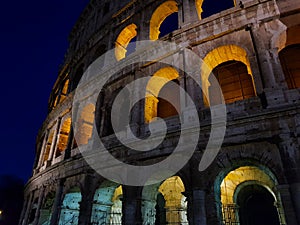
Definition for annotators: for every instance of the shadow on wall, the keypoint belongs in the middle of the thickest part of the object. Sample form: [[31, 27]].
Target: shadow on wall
[[11, 199]]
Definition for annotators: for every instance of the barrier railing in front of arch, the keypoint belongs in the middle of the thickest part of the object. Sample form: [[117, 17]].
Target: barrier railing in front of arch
[[230, 214]]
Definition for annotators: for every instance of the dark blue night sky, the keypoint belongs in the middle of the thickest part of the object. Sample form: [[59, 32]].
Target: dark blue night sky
[[33, 39]]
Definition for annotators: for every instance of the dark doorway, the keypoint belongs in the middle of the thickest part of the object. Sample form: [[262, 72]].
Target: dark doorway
[[257, 206], [160, 216]]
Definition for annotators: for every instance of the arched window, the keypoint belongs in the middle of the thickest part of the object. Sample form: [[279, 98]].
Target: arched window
[[290, 62], [126, 37], [64, 90], [162, 85], [70, 207], [48, 145], [63, 136], [160, 15], [234, 80], [46, 209], [165, 108], [232, 70], [107, 205], [84, 125], [77, 76]]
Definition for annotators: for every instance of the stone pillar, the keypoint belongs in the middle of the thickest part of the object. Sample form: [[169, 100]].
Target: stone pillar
[[28, 209], [54, 141], [86, 204], [131, 206], [295, 195], [287, 204], [38, 209], [40, 162], [189, 12], [57, 203], [197, 207]]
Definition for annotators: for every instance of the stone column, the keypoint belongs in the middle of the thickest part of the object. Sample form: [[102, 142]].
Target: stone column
[[287, 204], [189, 12], [57, 203], [131, 206], [197, 207], [40, 162], [54, 141], [39, 205], [295, 195], [28, 209], [86, 204]]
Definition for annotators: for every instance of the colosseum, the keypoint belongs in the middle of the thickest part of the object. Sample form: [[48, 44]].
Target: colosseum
[[251, 47]]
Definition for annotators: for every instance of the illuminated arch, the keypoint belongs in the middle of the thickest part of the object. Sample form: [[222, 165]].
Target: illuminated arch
[[107, 205], [289, 50], [199, 9], [48, 146], [124, 38], [46, 209], [63, 136], [155, 84], [173, 203], [159, 15], [85, 124], [70, 207], [218, 56], [240, 178]]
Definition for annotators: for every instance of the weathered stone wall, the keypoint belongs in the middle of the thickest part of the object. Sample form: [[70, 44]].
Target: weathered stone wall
[[262, 131]]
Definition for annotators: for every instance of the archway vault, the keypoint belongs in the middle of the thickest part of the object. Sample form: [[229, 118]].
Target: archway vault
[[218, 56], [124, 38], [160, 14], [155, 84]]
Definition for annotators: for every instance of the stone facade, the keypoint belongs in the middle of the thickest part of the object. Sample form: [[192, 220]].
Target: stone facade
[[259, 155]]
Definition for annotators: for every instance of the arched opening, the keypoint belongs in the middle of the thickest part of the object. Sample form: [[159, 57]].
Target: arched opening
[[256, 206], [46, 209], [48, 145], [165, 203], [64, 91], [126, 36], [107, 205], [165, 108], [211, 7], [235, 56], [70, 207], [163, 84], [77, 77], [33, 210], [122, 108], [159, 16], [85, 125], [236, 187], [290, 63], [63, 136], [234, 80]]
